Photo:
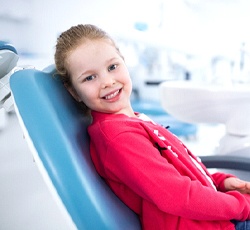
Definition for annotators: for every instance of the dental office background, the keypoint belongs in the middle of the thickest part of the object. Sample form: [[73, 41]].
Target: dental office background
[[201, 41], [196, 40]]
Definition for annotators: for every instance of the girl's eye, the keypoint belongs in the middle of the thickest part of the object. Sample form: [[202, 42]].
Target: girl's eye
[[90, 78], [112, 67]]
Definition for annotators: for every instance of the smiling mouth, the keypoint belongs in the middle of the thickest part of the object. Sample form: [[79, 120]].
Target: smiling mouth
[[112, 95]]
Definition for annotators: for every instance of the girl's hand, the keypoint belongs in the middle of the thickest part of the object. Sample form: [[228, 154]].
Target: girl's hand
[[233, 183]]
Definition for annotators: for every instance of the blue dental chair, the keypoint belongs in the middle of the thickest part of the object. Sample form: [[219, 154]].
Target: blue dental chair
[[55, 130], [8, 60]]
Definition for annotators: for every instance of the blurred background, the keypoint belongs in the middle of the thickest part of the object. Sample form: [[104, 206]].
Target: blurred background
[[204, 41]]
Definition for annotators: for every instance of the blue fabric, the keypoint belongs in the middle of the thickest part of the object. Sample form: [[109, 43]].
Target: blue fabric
[[58, 131], [245, 225]]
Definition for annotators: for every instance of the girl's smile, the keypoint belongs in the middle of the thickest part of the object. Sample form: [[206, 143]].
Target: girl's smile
[[100, 77], [113, 96]]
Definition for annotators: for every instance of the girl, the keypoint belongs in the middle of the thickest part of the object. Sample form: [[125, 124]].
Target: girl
[[146, 166]]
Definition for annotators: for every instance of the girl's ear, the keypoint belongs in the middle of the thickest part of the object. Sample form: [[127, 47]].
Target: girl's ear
[[73, 92]]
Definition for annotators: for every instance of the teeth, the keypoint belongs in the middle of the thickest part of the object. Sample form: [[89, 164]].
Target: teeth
[[111, 95]]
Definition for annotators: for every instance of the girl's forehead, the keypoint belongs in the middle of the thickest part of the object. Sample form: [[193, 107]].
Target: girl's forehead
[[86, 47], [90, 54], [95, 47], [97, 42]]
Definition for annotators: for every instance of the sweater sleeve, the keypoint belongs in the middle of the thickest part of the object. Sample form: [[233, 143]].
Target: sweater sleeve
[[219, 180], [133, 161]]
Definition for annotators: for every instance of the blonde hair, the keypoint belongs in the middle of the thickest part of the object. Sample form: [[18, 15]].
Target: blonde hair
[[68, 41]]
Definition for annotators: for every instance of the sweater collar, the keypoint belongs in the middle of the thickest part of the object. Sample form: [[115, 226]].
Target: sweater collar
[[101, 116]]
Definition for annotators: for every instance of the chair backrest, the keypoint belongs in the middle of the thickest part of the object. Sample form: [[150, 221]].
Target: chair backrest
[[56, 132]]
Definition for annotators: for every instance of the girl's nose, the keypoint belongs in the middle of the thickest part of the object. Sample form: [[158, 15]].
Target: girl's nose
[[107, 81]]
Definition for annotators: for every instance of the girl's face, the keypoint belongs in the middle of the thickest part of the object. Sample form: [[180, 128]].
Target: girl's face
[[100, 77]]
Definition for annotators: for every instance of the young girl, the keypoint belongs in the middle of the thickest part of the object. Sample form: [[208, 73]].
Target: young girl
[[146, 166]]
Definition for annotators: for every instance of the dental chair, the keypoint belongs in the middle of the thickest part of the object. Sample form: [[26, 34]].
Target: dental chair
[[55, 130], [8, 60]]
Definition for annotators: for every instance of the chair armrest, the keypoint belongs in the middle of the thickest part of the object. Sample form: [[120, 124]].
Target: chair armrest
[[227, 162]]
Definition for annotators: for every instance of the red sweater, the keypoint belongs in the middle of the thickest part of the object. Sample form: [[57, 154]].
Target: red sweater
[[152, 172]]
